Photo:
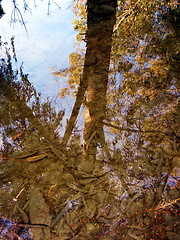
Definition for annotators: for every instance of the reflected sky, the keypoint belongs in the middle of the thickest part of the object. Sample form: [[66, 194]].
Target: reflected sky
[[49, 42]]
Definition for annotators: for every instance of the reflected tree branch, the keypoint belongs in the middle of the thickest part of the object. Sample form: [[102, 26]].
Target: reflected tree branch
[[132, 130]]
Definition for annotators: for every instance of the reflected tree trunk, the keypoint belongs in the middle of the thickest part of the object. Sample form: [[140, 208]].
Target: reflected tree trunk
[[101, 16], [101, 19]]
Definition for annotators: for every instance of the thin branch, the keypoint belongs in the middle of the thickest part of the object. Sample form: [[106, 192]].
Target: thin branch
[[49, 4], [131, 130], [49, 7], [20, 14], [26, 7], [77, 105], [125, 15], [56, 4]]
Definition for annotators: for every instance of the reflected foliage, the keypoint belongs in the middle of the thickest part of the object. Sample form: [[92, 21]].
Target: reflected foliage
[[144, 108], [133, 192], [1, 11], [142, 117], [29, 127]]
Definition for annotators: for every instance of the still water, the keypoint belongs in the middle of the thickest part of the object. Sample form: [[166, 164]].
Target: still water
[[42, 41], [117, 175]]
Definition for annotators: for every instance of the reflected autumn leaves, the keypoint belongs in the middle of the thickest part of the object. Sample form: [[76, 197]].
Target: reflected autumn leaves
[[28, 127], [134, 193]]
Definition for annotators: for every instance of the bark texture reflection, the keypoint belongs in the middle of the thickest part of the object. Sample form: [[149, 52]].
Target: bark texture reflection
[[101, 17]]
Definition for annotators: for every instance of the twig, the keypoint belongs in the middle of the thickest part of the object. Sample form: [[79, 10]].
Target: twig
[[21, 17], [164, 206], [56, 4], [131, 130], [124, 15]]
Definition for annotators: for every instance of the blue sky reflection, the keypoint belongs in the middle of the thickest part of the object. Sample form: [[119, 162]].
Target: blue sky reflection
[[49, 42]]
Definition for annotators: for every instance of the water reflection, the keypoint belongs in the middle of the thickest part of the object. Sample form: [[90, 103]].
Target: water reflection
[[12, 230], [130, 189], [44, 40], [28, 130]]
